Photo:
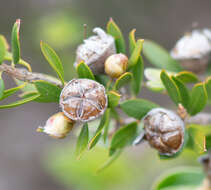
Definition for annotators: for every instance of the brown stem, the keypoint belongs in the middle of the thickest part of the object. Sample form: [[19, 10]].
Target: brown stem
[[201, 119], [205, 160], [26, 76]]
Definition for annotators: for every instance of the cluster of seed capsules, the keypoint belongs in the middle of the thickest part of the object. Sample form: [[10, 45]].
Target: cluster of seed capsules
[[83, 100]]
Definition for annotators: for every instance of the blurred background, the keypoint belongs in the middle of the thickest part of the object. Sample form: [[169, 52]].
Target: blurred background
[[29, 160]]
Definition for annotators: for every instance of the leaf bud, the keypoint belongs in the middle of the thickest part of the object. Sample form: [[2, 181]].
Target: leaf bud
[[95, 50], [57, 126], [83, 100], [164, 131], [116, 65]]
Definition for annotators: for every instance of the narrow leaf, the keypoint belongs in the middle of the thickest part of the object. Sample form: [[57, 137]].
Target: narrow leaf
[[53, 60], [208, 88], [48, 91], [132, 41], [1, 87], [137, 108], [156, 86], [103, 123], [187, 77], [196, 141], [184, 178], [136, 53], [184, 92], [15, 42], [84, 71], [160, 57], [123, 137], [113, 99], [19, 102], [3, 48], [198, 99], [154, 74], [171, 87], [114, 31], [11, 91], [102, 79], [82, 140], [138, 72], [122, 80]]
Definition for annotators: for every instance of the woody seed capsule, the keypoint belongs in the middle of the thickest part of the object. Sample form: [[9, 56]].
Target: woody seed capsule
[[164, 131], [83, 100], [193, 50], [95, 50]]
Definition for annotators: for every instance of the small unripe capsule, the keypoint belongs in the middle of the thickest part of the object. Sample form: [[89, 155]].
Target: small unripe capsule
[[164, 131], [116, 65], [57, 126], [95, 50], [83, 100], [193, 50]]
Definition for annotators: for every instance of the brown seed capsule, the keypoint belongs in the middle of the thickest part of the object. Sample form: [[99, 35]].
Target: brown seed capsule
[[193, 50], [164, 131], [95, 50], [83, 100], [116, 65]]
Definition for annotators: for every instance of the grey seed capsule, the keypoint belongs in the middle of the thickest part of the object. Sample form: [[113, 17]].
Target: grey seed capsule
[[164, 131], [83, 100], [193, 50], [95, 50]]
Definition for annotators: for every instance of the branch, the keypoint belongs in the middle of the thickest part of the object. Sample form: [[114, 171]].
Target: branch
[[205, 160], [26, 76], [201, 119]]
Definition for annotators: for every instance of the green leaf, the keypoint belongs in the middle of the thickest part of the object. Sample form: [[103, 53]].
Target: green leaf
[[160, 57], [3, 48], [84, 71], [1, 86], [156, 86], [187, 77], [184, 178], [132, 41], [153, 74], [138, 72], [82, 141], [137, 108], [15, 42], [28, 94], [113, 99], [208, 88], [123, 137], [102, 79], [114, 31], [198, 99], [19, 102], [184, 92], [171, 87], [53, 60], [122, 80], [196, 140], [136, 53], [208, 142], [11, 91], [103, 123], [48, 91]]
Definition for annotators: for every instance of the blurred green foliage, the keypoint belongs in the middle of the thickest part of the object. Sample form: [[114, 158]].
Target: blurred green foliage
[[61, 29]]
